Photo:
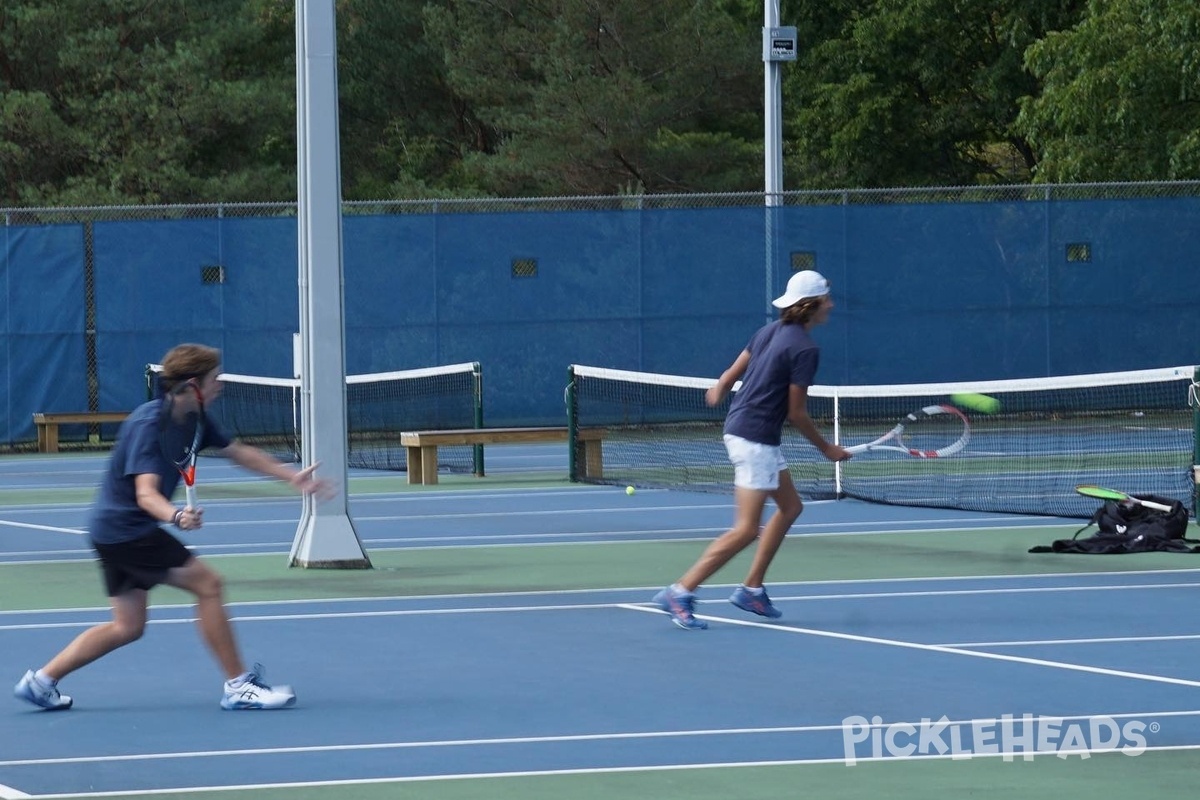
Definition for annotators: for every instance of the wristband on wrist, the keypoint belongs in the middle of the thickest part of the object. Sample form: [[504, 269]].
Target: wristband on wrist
[[178, 516]]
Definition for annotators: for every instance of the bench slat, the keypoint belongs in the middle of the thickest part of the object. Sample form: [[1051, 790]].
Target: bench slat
[[483, 436], [421, 446], [69, 417], [47, 424]]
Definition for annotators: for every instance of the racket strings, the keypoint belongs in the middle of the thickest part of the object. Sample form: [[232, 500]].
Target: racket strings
[[928, 432], [932, 433]]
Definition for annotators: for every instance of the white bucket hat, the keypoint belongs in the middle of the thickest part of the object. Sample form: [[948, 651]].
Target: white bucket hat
[[802, 286]]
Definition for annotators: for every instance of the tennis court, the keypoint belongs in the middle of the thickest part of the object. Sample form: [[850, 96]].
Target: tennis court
[[504, 646]]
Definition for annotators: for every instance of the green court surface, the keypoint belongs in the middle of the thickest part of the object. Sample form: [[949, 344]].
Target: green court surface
[[454, 569]]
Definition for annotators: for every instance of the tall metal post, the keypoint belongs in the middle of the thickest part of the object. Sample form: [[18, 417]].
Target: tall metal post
[[772, 147], [779, 45], [325, 537]]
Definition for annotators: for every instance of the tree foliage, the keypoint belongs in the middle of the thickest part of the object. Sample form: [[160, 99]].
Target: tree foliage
[[915, 92], [592, 96], [1121, 94], [175, 101], [404, 130], [123, 101]]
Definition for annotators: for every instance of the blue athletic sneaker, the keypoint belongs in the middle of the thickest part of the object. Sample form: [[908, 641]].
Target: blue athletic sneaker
[[31, 690], [759, 604], [682, 608]]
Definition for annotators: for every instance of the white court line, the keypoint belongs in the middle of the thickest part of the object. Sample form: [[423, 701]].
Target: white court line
[[9, 793], [380, 544], [282, 548], [599, 542], [511, 740], [492, 541], [563, 772], [954, 592], [420, 612], [1096, 640], [935, 648], [826, 528], [411, 612], [647, 589], [51, 528]]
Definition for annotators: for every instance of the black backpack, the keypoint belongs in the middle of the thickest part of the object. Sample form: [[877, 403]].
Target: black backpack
[[1131, 528]]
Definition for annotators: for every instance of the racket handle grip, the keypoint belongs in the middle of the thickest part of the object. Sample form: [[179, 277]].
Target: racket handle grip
[[190, 493]]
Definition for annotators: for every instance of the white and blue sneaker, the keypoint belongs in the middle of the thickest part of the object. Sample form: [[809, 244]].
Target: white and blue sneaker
[[251, 691], [31, 690]]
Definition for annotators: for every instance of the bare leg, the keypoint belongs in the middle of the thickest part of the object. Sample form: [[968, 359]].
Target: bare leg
[[127, 625], [750, 503], [787, 511], [198, 578]]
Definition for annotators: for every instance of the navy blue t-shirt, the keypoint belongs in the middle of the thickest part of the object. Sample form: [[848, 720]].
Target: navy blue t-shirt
[[780, 356], [116, 516]]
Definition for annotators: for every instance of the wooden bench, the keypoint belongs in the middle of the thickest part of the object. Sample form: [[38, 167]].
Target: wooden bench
[[421, 446], [47, 424]]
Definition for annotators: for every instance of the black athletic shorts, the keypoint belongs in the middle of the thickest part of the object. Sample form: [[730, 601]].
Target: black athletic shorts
[[142, 563]]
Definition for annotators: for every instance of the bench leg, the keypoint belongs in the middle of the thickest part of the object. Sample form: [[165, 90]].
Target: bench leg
[[593, 459], [429, 465], [48, 437], [413, 457]]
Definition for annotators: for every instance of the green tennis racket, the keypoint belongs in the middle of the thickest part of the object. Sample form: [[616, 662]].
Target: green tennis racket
[[1087, 490]]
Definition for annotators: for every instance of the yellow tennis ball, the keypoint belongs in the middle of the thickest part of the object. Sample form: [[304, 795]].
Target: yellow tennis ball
[[629, 490], [976, 402]]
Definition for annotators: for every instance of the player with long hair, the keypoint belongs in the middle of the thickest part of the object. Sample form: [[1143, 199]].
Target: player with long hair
[[776, 369], [136, 553]]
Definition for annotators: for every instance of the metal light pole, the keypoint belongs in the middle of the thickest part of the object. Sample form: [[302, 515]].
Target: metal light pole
[[779, 45]]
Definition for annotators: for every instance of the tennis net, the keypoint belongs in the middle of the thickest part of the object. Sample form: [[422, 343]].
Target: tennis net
[[266, 412], [1132, 431]]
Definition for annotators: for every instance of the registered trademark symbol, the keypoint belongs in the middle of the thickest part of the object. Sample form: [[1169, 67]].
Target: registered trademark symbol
[[1154, 727]]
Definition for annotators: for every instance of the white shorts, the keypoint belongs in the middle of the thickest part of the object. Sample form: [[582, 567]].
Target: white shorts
[[755, 465]]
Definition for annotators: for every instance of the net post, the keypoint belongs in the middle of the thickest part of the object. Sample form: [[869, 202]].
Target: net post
[[572, 427], [477, 384], [297, 425], [837, 439], [1194, 398]]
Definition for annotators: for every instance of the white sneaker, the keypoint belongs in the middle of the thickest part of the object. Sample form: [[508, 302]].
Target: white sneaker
[[31, 690], [254, 693]]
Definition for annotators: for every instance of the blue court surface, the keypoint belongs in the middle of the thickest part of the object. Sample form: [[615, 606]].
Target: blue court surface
[[506, 630]]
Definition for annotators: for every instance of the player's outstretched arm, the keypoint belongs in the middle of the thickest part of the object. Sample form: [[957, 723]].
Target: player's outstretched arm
[[304, 480]]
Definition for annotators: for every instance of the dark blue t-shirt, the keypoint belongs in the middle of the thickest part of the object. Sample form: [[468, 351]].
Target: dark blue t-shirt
[[116, 516], [780, 356]]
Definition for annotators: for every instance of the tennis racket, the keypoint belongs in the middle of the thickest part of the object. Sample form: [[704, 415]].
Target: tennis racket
[[1087, 490], [180, 432], [931, 434]]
